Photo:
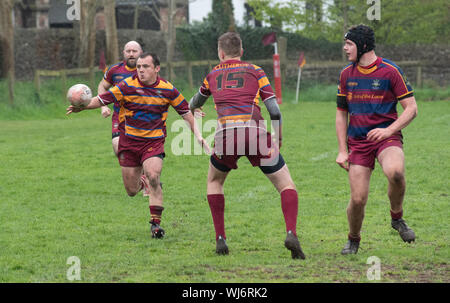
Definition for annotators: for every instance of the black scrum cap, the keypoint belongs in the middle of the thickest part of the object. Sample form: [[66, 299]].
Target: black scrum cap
[[364, 38]]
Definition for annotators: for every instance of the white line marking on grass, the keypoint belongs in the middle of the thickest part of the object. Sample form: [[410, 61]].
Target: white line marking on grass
[[321, 156]]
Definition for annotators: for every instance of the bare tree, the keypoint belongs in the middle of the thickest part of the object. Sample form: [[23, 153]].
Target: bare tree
[[112, 43], [345, 25], [86, 53], [170, 34], [136, 20], [7, 44]]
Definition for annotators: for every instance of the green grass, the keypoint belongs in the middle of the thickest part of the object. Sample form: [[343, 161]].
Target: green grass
[[62, 195]]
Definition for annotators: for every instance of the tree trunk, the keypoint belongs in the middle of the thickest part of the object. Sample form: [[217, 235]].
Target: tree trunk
[[112, 44], [136, 20], [171, 37], [345, 25], [87, 33], [7, 45]]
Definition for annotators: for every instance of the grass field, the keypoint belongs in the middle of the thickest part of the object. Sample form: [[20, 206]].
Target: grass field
[[62, 196]]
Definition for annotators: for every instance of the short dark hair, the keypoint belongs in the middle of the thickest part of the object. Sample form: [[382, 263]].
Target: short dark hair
[[231, 44], [155, 58]]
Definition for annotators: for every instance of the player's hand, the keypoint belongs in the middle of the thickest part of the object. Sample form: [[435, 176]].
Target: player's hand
[[73, 109], [342, 160], [277, 141], [378, 134], [204, 145], [198, 112], [106, 112]]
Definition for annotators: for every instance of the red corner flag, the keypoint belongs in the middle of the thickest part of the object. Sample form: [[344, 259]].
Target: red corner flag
[[269, 38], [301, 60]]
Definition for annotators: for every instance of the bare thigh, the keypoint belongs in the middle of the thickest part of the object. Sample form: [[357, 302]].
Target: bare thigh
[[392, 161], [359, 179], [132, 179], [281, 179]]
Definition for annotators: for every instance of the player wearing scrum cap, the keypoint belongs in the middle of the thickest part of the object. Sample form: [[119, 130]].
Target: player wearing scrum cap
[[368, 128]]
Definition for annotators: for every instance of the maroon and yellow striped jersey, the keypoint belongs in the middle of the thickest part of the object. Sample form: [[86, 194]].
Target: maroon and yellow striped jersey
[[237, 87], [145, 108]]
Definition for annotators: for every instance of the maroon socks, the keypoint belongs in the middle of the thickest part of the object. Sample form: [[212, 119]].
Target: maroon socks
[[155, 213], [217, 206], [289, 206], [397, 216]]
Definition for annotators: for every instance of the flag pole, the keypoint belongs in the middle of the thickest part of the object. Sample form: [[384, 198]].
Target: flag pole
[[300, 63], [277, 75], [298, 84]]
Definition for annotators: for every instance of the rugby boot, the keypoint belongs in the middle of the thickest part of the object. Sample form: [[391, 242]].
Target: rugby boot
[[157, 231], [406, 233], [351, 247], [293, 245], [221, 246]]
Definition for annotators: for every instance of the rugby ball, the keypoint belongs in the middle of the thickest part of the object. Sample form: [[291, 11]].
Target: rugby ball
[[79, 95]]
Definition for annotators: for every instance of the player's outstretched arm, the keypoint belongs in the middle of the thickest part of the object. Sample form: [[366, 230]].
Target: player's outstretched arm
[[189, 118], [95, 103]]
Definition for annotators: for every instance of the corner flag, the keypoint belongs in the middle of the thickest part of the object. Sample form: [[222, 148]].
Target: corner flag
[[269, 38]]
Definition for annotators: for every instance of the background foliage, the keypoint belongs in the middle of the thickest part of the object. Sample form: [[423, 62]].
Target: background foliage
[[414, 21]]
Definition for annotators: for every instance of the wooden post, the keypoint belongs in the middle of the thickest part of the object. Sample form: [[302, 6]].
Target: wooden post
[[91, 77], [37, 84], [419, 76], [7, 45], [112, 45], [64, 83], [168, 71], [11, 80], [189, 71], [282, 51]]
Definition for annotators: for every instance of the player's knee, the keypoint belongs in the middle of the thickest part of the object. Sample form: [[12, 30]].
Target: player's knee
[[358, 200], [131, 192], [282, 188], [153, 179], [397, 177]]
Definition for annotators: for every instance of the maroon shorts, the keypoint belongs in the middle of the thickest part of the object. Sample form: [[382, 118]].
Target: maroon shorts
[[364, 153], [132, 153], [255, 144]]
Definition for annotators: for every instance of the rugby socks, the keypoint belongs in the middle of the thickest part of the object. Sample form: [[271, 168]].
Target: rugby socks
[[396, 216], [155, 213], [217, 205], [289, 206], [354, 239]]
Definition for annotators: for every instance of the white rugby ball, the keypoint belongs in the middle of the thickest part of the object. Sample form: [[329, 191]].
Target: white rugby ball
[[79, 95]]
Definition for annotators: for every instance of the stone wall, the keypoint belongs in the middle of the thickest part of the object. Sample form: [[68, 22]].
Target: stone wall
[[57, 49], [54, 49], [434, 59]]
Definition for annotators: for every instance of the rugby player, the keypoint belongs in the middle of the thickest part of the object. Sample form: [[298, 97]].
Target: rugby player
[[237, 88], [368, 128], [144, 100]]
